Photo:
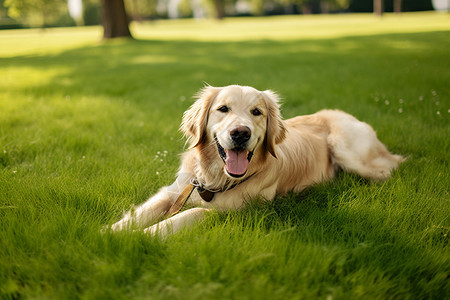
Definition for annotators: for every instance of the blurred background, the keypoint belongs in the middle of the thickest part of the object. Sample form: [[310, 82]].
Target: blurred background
[[59, 13]]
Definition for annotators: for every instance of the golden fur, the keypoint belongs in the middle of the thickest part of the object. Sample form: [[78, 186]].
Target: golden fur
[[269, 156]]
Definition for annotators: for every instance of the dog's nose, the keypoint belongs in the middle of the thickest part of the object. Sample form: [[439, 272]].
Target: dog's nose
[[240, 135]]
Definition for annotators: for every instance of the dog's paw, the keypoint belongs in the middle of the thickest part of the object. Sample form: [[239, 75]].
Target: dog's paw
[[118, 226], [160, 230]]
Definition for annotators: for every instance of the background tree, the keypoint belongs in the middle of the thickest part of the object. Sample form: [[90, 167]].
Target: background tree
[[220, 9], [114, 19], [91, 12], [41, 13], [406, 5], [314, 6], [141, 10], [114, 14], [378, 7], [397, 6]]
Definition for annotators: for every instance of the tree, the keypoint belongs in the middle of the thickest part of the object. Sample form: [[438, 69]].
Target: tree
[[140, 10], [378, 7], [397, 6], [114, 19], [36, 12], [220, 9]]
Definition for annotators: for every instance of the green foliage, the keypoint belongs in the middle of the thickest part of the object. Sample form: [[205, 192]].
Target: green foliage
[[44, 13], [82, 122], [39, 12], [140, 10], [407, 5], [91, 12]]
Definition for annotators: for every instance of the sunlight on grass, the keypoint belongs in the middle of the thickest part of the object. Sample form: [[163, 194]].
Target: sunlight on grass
[[37, 41], [291, 27], [41, 42], [149, 59]]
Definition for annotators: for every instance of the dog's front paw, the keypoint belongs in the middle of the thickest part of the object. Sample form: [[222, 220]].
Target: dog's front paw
[[118, 226], [161, 230]]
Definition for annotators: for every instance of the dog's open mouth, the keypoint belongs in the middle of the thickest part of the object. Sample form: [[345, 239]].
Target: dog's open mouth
[[236, 160]]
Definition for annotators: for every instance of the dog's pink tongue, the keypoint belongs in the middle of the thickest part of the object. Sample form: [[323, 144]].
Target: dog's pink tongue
[[237, 162]]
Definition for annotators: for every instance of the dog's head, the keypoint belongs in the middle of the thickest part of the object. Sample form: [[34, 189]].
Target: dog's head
[[239, 121]]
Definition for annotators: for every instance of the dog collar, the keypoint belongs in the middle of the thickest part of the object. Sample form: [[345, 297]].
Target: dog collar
[[208, 194], [205, 193]]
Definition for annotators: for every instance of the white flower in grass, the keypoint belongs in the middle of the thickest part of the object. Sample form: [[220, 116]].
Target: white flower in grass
[[157, 173], [386, 102], [438, 113], [400, 110], [420, 98]]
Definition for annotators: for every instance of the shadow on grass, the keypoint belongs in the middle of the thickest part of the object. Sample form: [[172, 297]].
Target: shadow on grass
[[359, 238]]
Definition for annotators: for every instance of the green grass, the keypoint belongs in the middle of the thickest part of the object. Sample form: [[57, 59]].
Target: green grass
[[81, 124]]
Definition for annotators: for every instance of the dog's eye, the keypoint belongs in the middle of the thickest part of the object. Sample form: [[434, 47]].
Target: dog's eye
[[223, 109], [256, 112]]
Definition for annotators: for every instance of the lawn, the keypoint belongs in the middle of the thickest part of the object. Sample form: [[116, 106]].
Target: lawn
[[88, 128]]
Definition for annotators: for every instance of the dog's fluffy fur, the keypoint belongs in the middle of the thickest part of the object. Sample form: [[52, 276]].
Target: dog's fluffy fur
[[241, 147]]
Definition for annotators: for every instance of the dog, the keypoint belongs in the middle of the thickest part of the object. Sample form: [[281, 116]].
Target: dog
[[240, 148]]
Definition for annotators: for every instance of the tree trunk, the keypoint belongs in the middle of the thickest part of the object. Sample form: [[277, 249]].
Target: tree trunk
[[324, 7], [397, 6], [289, 9], [307, 9], [220, 9], [114, 19], [378, 7]]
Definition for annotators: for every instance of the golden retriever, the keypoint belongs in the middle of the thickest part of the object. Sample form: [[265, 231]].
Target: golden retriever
[[241, 148]]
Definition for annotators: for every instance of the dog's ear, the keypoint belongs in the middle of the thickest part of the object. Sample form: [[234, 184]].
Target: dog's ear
[[195, 118], [276, 129]]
